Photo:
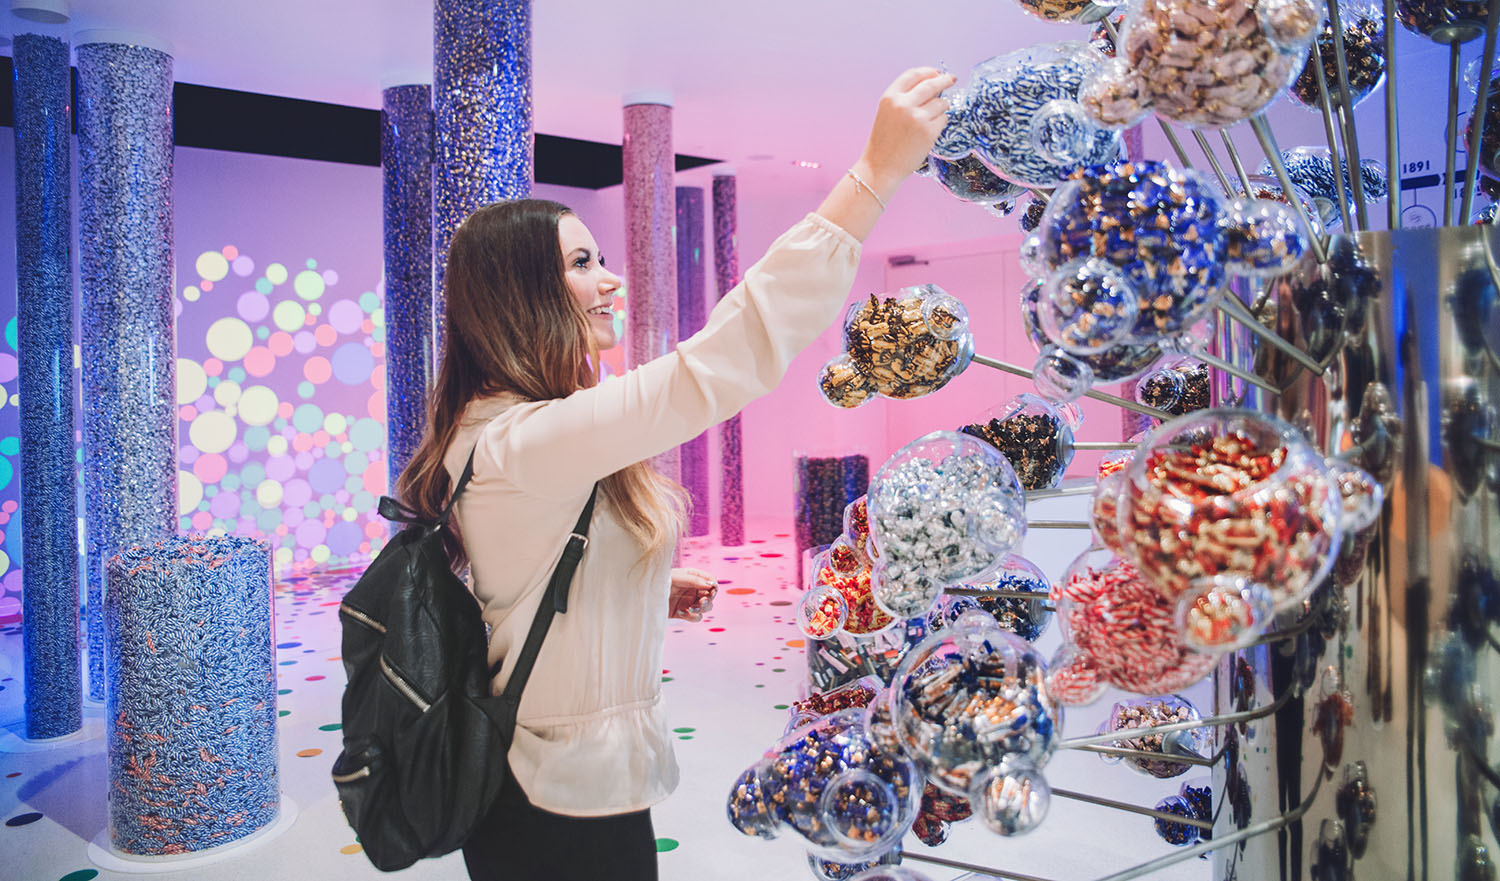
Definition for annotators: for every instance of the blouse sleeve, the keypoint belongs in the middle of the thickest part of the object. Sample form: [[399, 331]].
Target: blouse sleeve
[[559, 448]]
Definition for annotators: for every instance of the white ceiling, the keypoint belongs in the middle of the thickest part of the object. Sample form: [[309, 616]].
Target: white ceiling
[[793, 79]]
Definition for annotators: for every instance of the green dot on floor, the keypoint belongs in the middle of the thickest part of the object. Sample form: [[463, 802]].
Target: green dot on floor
[[665, 844], [81, 875], [684, 730], [283, 712], [331, 727], [779, 707], [685, 737], [666, 679], [778, 669], [284, 691]]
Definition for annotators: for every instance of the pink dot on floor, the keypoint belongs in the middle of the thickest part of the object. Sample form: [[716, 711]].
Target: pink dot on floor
[[715, 630], [314, 678]]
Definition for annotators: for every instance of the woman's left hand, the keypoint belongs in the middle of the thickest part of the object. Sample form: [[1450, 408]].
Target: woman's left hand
[[692, 594]]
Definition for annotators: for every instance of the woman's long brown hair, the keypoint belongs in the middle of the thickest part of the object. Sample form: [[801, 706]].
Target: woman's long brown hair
[[512, 326]]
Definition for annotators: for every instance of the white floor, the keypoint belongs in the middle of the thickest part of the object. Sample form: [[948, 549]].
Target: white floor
[[729, 678]]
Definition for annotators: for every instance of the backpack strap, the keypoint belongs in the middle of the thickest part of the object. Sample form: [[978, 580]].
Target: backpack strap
[[458, 489], [554, 600], [393, 510]]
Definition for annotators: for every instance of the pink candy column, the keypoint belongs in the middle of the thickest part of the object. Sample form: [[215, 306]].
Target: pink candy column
[[650, 255], [726, 276]]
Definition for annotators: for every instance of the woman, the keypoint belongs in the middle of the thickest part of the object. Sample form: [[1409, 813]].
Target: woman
[[518, 388]]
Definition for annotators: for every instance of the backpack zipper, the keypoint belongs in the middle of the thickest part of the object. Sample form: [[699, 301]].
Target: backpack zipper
[[361, 617], [402, 686], [352, 776]]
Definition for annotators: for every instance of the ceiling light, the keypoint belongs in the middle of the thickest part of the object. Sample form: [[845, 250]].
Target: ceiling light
[[41, 11]]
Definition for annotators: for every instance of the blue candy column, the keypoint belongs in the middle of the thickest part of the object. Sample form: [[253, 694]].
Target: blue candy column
[[44, 329], [129, 330], [481, 101], [690, 314], [650, 259], [406, 169], [191, 715], [726, 276]]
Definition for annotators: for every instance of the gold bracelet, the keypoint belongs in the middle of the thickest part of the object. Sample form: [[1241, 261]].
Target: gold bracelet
[[859, 184]]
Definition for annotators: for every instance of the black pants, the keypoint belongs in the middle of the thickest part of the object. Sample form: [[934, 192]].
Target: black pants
[[519, 842]]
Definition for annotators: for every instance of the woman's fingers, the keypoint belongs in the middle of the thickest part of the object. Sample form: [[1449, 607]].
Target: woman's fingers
[[930, 88], [911, 77]]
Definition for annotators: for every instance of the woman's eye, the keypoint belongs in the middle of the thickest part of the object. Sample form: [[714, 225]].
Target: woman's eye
[[581, 263]]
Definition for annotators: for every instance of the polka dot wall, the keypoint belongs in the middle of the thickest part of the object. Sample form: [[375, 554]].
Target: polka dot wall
[[281, 402]]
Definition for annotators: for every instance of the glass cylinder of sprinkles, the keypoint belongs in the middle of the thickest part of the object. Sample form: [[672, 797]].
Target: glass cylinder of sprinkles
[[691, 310], [192, 694], [825, 485], [726, 276], [44, 320], [128, 327], [406, 176]]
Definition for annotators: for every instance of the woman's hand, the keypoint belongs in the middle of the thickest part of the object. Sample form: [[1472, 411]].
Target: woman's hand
[[692, 594], [910, 117]]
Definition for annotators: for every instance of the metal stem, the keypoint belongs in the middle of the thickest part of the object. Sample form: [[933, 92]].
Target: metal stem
[[1176, 144], [1452, 164], [1234, 310], [1189, 725], [1134, 809], [1331, 132], [1124, 403], [1273, 154], [1150, 755], [999, 593], [1481, 105], [1234, 157], [1042, 196], [1236, 371], [1213, 162], [1224, 841], [969, 867], [1102, 445], [1034, 494], [1059, 524], [1392, 143], [1351, 135]]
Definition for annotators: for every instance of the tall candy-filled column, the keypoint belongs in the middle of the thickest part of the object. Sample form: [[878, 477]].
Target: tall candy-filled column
[[129, 327], [481, 102], [726, 276], [650, 212], [690, 315], [406, 169], [44, 330]]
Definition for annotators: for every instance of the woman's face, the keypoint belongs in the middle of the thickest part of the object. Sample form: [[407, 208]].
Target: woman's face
[[592, 285]]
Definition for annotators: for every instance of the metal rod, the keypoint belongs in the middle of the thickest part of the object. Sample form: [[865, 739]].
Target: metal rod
[[1150, 755], [1234, 310], [1102, 445], [1481, 106], [1236, 371], [1234, 158], [1452, 160], [1124, 403], [1351, 134], [1189, 725], [1213, 162], [1293, 632], [1176, 144], [999, 593], [1273, 154], [1250, 831], [1042, 195], [1134, 809], [970, 867], [1392, 143], [1059, 524], [1331, 132], [1034, 494]]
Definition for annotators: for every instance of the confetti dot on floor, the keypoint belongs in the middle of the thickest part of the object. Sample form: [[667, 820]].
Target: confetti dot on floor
[[351, 848], [287, 663], [779, 707], [283, 712], [308, 753], [81, 875], [770, 555], [711, 629], [779, 603], [684, 730], [791, 643], [740, 591], [666, 679], [23, 819], [332, 727], [773, 669], [665, 844], [685, 737], [316, 678], [283, 691], [289, 645]]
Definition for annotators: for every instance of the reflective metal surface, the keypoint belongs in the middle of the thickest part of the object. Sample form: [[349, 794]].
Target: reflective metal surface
[[1392, 688]]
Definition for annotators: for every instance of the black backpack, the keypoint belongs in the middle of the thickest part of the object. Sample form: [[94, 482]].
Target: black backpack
[[424, 742]]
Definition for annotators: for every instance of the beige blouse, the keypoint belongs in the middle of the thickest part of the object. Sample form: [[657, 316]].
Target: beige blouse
[[591, 737]]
